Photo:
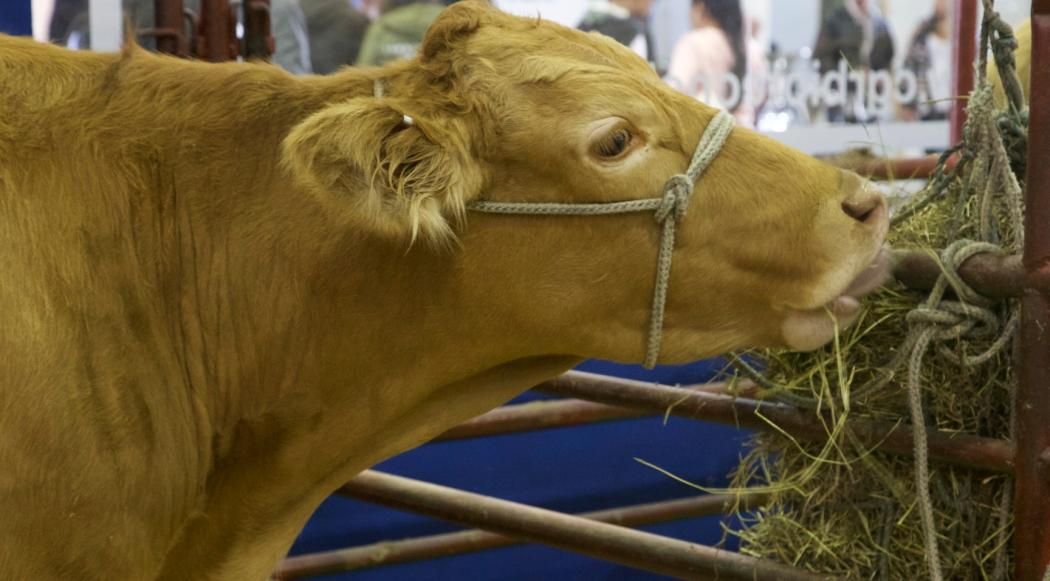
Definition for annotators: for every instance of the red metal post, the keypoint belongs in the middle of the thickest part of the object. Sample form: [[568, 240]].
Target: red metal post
[[258, 42], [217, 37], [679, 559], [999, 276], [539, 415], [883, 169], [964, 52], [956, 449], [543, 415], [1032, 474], [169, 28]]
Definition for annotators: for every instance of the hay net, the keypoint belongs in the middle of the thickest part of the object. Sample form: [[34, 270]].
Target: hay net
[[937, 361]]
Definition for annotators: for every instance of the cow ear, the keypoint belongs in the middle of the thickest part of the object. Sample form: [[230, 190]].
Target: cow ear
[[399, 176], [455, 22]]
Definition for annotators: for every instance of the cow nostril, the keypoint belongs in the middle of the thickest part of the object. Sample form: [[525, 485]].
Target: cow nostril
[[862, 211]]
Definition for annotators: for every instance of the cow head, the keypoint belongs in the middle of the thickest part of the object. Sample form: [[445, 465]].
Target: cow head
[[775, 249]]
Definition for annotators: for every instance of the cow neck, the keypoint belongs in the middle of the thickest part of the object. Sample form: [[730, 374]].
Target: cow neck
[[669, 209]]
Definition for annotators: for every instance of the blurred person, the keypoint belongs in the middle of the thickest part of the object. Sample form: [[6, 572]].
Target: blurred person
[[336, 32], [857, 33], [626, 21], [290, 36], [369, 8], [710, 61], [930, 58], [398, 31], [756, 88], [68, 19]]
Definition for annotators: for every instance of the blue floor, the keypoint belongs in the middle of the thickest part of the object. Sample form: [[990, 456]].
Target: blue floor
[[569, 469]]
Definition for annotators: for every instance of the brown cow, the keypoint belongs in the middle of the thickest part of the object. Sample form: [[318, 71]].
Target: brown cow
[[224, 290]]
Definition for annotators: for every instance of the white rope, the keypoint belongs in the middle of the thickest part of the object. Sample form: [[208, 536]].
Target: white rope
[[937, 321]]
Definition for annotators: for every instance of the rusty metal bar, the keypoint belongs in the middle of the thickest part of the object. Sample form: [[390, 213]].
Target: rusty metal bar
[[168, 27], [898, 169], [1032, 476], [997, 276], [258, 41], [542, 415], [956, 449], [964, 53], [609, 542], [539, 415], [458, 543], [216, 37]]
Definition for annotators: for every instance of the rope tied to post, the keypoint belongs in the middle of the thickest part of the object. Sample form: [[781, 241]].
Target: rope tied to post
[[940, 322], [999, 198], [669, 210], [937, 322], [944, 323]]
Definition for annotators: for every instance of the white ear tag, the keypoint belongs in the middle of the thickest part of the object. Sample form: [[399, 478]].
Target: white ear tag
[[408, 120]]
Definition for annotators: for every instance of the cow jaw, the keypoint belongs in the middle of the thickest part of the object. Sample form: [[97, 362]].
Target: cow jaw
[[806, 330]]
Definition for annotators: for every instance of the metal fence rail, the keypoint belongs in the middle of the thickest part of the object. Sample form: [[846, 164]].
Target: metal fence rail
[[542, 415], [1032, 477], [461, 542], [959, 450], [679, 559]]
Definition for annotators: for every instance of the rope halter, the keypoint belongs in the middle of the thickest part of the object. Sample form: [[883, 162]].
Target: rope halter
[[672, 204]]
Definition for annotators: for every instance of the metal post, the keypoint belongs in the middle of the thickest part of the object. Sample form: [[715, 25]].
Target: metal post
[[539, 415], [217, 38], [469, 541], [998, 276], [543, 415], [1032, 475], [637, 549], [169, 28], [964, 52], [883, 169], [258, 42], [959, 450]]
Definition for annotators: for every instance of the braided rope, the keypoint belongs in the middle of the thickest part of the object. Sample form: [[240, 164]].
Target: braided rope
[[669, 209], [937, 321], [934, 322]]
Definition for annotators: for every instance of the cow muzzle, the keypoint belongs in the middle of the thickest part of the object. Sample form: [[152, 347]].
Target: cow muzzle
[[805, 330]]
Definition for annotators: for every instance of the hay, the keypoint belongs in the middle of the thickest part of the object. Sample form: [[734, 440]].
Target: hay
[[838, 507], [841, 508]]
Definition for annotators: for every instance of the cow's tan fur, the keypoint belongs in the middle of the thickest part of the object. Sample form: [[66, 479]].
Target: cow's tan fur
[[212, 314]]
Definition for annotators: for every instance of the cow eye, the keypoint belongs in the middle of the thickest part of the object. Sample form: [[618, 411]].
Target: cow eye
[[613, 144]]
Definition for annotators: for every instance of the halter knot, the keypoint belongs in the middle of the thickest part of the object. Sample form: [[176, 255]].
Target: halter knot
[[675, 200]]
